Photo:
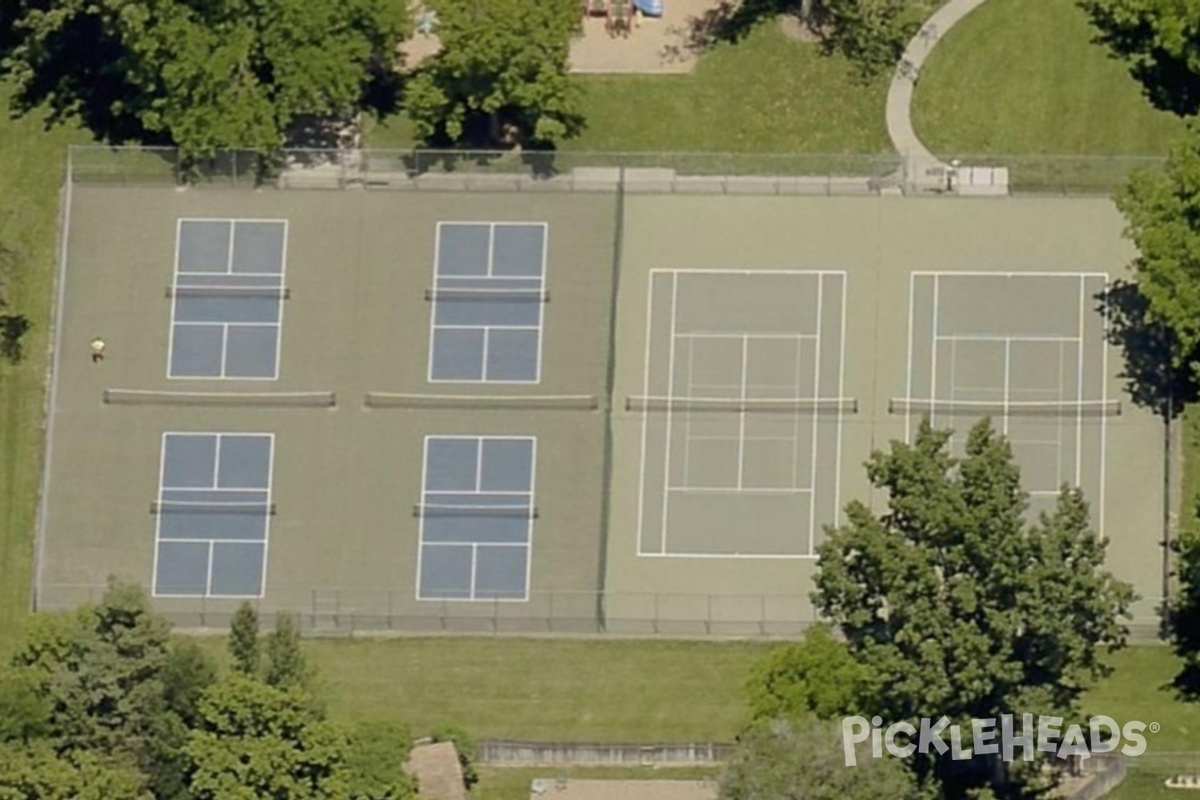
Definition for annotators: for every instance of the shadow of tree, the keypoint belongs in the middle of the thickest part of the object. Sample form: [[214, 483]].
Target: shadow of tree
[[1148, 345]]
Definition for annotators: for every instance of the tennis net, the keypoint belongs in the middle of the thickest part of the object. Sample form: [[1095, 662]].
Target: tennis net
[[265, 399], [488, 295], [790, 405], [448, 510], [231, 292], [566, 402], [1033, 408], [195, 507]]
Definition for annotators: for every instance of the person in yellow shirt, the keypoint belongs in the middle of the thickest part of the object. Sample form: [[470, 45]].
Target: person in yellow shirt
[[97, 350]]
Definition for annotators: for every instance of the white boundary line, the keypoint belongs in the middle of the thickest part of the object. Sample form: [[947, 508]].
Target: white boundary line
[[908, 395], [816, 422], [479, 439], [645, 417], [1079, 385], [933, 361], [1103, 500], [51, 407], [216, 437], [486, 329], [666, 495], [674, 273], [283, 257], [837, 457]]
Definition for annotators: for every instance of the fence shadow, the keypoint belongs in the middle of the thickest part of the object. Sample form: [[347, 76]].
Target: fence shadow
[[1150, 376]]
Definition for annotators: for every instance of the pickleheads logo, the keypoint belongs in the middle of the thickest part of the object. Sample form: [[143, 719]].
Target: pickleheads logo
[[995, 737]]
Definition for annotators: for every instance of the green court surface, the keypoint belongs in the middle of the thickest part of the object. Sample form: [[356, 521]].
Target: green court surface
[[557, 412]]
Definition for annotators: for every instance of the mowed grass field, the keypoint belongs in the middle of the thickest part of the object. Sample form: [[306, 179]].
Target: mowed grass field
[[513, 783], [1025, 76], [32, 168]]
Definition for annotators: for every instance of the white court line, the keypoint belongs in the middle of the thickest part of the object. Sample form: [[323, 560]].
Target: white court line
[[483, 367], [421, 519], [484, 327], [192, 324], [743, 334], [537, 375], [1007, 379], [1058, 471], [1103, 420], [474, 553], [796, 417], [816, 438], [216, 477], [645, 417], [694, 271], [282, 282], [737, 490], [742, 416], [989, 274], [995, 337], [933, 357], [670, 394], [755, 556], [1079, 387], [529, 532], [224, 348], [162, 466], [837, 458], [687, 417], [912, 299]]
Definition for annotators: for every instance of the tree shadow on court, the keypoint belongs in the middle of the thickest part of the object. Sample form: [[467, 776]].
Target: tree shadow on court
[[1150, 375]]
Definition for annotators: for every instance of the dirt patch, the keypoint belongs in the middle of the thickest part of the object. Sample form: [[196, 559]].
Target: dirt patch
[[797, 29]]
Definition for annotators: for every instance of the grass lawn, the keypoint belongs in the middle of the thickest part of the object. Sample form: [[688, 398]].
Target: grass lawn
[[1023, 76], [512, 783], [768, 93], [539, 689], [32, 168]]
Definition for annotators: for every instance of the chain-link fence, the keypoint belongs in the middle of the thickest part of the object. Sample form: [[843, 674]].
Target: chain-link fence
[[533, 171], [361, 611]]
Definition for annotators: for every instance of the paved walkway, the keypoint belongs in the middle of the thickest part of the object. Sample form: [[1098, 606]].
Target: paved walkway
[[900, 93]]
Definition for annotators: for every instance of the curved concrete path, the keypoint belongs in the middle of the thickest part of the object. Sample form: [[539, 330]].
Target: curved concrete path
[[900, 93]]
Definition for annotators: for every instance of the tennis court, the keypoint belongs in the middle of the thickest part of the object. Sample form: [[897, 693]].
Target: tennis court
[[564, 412]]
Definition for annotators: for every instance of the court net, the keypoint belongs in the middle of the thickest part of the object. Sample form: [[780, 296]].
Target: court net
[[491, 512], [565, 402], [231, 292], [194, 507], [142, 397], [1050, 408], [791, 405], [489, 295]]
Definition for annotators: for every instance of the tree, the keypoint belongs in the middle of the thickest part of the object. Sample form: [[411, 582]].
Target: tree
[[1161, 209], [243, 640], [101, 671], [228, 74], [375, 761], [794, 759], [816, 677], [36, 772], [23, 709], [1161, 44], [503, 63], [1185, 612], [286, 666], [189, 671], [256, 740], [871, 34], [954, 604]]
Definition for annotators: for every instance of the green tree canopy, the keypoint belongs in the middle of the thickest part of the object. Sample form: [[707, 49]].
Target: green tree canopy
[[243, 640], [255, 740], [1160, 41], [953, 603], [226, 74], [114, 685], [803, 758], [287, 667], [502, 62], [375, 760], [816, 677], [36, 772], [1162, 209]]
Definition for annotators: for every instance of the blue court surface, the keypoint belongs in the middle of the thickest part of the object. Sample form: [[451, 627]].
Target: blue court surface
[[228, 293], [476, 518], [489, 290], [213, 511]]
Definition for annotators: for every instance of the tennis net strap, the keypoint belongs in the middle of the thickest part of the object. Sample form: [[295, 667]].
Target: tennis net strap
[[791, 405], [1062, 408], [266, 399], [231, 292]]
